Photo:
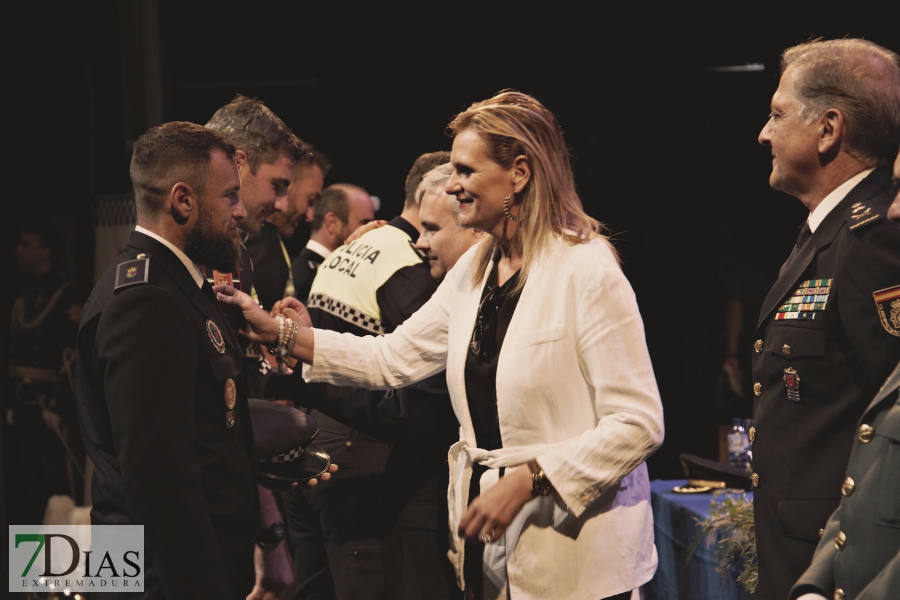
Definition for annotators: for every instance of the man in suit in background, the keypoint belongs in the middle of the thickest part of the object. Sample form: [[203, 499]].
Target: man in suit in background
[[341, 209], [822, 347]]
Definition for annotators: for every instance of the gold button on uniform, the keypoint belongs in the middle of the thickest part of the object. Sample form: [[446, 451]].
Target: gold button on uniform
[[758, 346], [786, 350], [866, 433], [839, 594], [840, 540], [757, 389], [821, 533], [848, 487], [755, 479], [752, 434]]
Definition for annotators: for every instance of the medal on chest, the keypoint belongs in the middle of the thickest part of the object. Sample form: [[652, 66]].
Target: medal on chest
[[230, 402], [810, 298], [215, 336], [792, 384]]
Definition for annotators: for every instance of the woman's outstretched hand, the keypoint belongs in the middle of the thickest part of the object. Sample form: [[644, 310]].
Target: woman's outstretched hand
[[261, 327]]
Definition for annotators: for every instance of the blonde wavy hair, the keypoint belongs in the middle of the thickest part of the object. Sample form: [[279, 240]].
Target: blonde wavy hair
[[514, 124]]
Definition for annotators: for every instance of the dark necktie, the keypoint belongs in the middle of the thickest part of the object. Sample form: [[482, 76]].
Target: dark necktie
[[805, 234]]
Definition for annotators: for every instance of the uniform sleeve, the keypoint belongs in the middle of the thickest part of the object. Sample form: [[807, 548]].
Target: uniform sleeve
[[404, 293], [392, 416], [615, 362], [872, 264], [270, 270], [150, 353], [415, 350], [819, 576]]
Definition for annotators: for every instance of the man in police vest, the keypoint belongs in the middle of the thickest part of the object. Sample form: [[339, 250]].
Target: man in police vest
[[394, 472]]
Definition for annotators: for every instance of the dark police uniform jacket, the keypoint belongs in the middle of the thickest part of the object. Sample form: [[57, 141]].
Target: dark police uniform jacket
[[152, 379], [859, 554], [814, 375], [271, 269], [304, 270]]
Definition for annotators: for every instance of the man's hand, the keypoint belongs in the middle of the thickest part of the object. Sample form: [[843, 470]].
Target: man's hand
[[324, 477], [298, 314], [491, 513], [364, 229], [274, 572], [260, 326]]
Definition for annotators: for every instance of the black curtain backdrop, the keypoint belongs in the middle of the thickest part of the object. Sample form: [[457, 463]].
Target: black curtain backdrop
[[664, 150]]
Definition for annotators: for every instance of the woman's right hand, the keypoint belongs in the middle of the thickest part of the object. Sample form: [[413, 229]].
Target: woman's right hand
[[261, 327]]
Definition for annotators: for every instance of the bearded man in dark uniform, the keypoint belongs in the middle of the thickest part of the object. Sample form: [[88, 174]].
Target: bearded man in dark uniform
[[161, 396], [823, 345]]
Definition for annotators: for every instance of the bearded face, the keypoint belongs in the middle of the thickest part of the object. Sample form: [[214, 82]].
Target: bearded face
[[205, 245]]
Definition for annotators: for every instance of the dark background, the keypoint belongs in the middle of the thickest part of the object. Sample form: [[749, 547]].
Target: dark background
[[664, 150]]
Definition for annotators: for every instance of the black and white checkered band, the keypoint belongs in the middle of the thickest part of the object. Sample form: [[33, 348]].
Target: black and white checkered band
[[283, 458], [347, 313]]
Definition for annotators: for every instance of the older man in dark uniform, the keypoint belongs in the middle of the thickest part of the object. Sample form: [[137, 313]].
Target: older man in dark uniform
[[823, 346], [161, 397], [859, 554]]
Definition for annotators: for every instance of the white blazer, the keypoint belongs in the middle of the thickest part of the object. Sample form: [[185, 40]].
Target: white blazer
[[575, 390]]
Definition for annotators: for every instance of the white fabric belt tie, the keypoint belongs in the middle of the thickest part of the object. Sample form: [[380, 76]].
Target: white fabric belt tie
[[461, 457]]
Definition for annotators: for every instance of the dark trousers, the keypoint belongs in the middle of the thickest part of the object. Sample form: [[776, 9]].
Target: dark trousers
[[377, 529]]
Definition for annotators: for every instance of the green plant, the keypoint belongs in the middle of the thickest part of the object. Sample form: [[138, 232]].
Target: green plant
[[730, 526]]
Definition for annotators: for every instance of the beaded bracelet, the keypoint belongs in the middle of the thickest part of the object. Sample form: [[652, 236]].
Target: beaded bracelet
[[293, 339]]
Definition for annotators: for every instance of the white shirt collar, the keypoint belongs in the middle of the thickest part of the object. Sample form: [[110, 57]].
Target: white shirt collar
[[833, 199], [191, 266], [318, 248]]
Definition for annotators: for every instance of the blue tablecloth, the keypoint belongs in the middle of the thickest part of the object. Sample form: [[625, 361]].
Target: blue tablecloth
[[675, 528]]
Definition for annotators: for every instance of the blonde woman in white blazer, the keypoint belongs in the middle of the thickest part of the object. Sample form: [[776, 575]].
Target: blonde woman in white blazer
[[576, 399]]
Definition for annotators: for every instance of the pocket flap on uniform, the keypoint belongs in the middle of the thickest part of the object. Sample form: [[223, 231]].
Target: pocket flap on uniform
[[795, 342], [548, 334], [890, 425], [224, 367], [804, 518]]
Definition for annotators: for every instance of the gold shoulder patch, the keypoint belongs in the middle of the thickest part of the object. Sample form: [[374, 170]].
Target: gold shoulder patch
[[863, 213], [887, 302]]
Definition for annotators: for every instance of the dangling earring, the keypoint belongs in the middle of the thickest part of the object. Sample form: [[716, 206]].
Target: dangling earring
[[506, 210]]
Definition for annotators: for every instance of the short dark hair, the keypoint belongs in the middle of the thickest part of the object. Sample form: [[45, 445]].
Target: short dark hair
[[169, 153], [313, 158], [423, 164], [334, 200], [255, 129]]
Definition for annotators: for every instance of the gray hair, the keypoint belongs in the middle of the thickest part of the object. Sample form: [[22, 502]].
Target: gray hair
[[859, 78], [436, 179]]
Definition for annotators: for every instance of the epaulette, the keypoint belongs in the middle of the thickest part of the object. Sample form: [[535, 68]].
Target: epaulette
[[862, 214], [133, 272]]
